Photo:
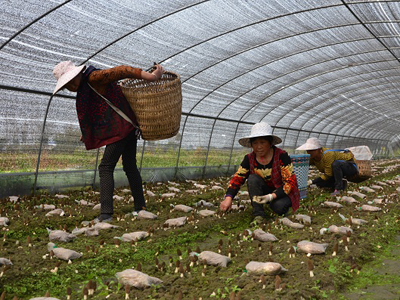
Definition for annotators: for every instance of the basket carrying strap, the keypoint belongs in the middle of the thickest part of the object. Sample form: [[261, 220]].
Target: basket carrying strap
[[118, 111]]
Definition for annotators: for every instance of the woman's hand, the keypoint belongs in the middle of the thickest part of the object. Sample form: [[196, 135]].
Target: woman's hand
[[158, 71], [265, 198], [226, 204], [154, 75]]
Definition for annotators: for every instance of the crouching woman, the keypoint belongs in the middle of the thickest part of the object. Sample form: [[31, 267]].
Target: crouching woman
[[269, 174]]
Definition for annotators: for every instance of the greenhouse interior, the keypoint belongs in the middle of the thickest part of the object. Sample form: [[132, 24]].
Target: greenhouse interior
[[325, 69], [188, 218]]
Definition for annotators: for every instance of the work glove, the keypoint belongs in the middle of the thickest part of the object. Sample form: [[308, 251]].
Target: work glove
[[263, 199]]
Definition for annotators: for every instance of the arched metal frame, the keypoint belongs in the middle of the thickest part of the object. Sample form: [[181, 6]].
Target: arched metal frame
[[362, 82]]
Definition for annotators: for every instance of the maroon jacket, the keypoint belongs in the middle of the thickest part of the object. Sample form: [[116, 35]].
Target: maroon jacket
[[276, 176], [100, 124]]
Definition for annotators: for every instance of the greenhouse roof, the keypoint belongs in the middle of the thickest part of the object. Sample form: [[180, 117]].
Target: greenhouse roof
[[308, 68]]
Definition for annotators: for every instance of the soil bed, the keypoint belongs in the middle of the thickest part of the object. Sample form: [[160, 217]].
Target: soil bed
[[25, 241]]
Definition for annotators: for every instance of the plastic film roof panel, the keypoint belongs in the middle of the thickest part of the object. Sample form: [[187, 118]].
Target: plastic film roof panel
[[315, 66]]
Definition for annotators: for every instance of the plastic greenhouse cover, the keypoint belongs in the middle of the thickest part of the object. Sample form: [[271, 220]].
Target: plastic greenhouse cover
[[326, 68]]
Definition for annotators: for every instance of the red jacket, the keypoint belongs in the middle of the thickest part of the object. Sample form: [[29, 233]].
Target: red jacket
[[99, 123]]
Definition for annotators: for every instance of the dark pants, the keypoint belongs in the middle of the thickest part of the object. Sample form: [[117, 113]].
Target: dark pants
[[257, 187], [127, 148], [340, 169]]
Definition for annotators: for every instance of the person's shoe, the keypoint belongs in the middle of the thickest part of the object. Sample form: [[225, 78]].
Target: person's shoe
[[335, 193], [106, 218]]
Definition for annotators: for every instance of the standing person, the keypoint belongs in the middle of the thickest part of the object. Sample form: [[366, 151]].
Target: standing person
[[101, 125], [333, 164], [269, 173]]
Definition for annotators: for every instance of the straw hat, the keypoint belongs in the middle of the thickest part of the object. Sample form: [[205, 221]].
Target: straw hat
[[259, 130], [311, 144], [64, 72]]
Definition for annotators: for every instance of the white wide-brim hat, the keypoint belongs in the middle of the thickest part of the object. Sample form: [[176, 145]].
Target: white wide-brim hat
[[64, 72], [310, 144], [259, 130]]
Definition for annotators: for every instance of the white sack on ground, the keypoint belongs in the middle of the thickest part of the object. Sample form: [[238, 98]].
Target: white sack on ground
[[376, 201], [354, 221], [206, 213], [46, 206], [366, 189], [92, 232], [263, 236], [183, 208], [214, 259], [78, 231], [5, 262], [168, 195], [134, 236], [366, 207], [336, 229], [174, 189], [118, 198], [136, 279], [303, 218], [205, 204], [60, 236], [358, 221], [4, 221], [97, 207], [176, 222], [358, 194], [349, 199], [266, 268], [104, 226], [311, 247], [376, 187], [62, 253], [287, 222], [217, 187], [144, 214], [55, 212], [237, 207], [13, 199], [84, 202], [332, 204], [150, 193]]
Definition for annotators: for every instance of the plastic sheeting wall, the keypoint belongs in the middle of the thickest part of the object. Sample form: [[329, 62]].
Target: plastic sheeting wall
[[328, 69]]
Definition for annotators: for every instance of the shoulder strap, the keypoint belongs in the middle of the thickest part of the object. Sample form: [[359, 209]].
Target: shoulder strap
[[337, 150], [117, 110]]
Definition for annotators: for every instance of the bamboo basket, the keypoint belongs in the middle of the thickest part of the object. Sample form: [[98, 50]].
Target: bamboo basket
[[364, 171], [156, 104]]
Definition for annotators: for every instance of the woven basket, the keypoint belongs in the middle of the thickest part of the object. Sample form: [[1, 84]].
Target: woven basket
[[301, 165], [364, 171], [156, 104]]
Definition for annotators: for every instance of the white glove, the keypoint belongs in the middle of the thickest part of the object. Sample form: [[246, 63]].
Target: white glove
[[309, 182], [263, 199]]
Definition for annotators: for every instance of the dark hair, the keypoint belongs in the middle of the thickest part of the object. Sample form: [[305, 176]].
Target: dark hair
[[268, 138]]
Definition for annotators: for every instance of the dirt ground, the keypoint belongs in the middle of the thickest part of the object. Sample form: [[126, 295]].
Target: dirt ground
[[25, 240]]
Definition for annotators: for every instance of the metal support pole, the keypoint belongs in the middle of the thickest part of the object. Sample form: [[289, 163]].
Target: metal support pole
[[41, 145]]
